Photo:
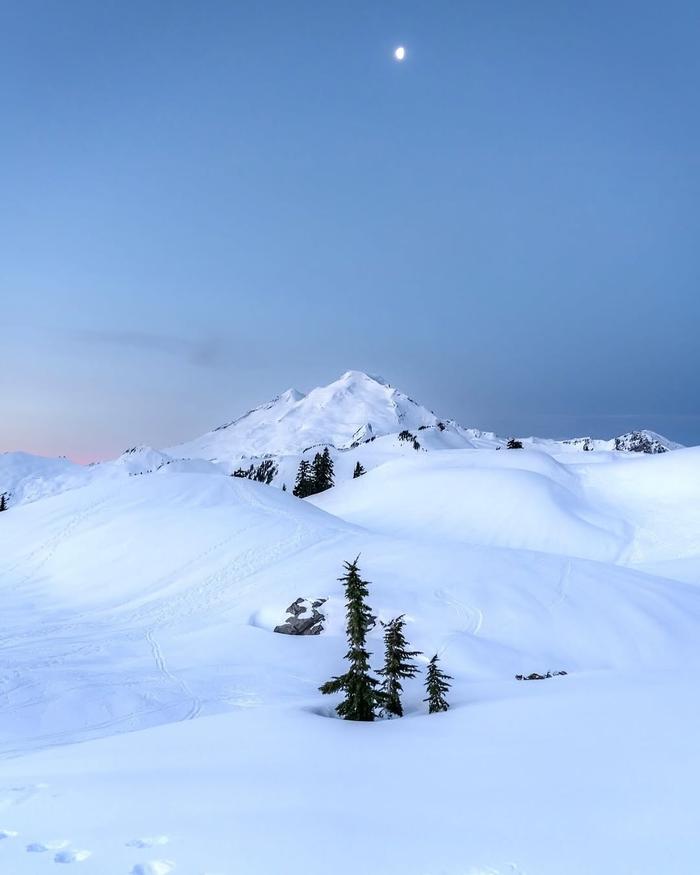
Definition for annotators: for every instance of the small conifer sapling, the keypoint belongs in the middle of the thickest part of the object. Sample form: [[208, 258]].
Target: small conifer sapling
[[398, 666], [436, 685]]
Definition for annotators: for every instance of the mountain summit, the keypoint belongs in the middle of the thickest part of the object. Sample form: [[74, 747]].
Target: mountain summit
[[354, 407]]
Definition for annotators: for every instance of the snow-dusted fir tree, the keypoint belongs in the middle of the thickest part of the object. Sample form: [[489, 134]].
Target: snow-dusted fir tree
[[322, 471], [359, 471], [436, 686], [398, 665], [361, 696], [304, 484]]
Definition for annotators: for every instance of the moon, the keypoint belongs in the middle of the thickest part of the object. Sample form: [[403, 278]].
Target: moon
[[400, 53]]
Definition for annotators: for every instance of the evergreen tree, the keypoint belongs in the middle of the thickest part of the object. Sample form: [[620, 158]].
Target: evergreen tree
[[243, 472], [3, 502], [304, 484], [398, 665], [284, 487], [359, 471], [265, 472], [322, 471], [436, 686], [515, 445], [361, 698]]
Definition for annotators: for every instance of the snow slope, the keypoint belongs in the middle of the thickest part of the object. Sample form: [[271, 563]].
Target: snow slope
[[150, 716], [152, 722], [26, 477]]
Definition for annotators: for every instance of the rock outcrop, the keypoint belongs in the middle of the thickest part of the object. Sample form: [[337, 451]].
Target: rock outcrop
[[304, 618]]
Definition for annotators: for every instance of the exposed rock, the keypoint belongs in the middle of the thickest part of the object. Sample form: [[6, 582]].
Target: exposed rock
[[304, 618], [639, 441], [642, 442], [587, 443], [539, 677]]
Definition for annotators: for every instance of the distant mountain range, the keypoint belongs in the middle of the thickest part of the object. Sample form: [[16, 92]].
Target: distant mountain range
[[356, 408], [361, 418]]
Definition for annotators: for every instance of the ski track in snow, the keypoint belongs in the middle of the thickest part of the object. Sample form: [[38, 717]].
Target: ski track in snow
[[471, 617], [46, 550], [195, 706], [62, 642], [563, 584]]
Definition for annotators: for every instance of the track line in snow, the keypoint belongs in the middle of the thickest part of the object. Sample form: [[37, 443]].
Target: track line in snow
[[563, 584], [472, 616], [49, 547], [195, 707]]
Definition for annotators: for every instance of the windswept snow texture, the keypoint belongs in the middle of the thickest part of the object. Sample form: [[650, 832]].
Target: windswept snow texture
[[152, 722]]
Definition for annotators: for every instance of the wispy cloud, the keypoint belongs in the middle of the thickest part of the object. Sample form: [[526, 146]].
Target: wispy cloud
[[202, 352]]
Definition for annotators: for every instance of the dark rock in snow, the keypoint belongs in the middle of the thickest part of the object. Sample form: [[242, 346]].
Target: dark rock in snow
[[641, 442], [304, 618], [539, 677]]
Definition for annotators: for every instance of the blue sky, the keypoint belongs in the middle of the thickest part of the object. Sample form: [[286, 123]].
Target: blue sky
[[206, 203]]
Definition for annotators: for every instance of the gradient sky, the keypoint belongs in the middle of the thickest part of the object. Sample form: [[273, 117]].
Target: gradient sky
[[202, 204]]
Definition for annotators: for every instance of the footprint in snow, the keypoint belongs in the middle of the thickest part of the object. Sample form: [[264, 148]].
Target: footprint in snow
[[8, 834], [154, 867], [42, 847], [71, 856], [148, 842]]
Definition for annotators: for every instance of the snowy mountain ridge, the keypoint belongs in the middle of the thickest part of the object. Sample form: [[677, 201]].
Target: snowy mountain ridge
[[355, 408], [361, 418], [351, 408]]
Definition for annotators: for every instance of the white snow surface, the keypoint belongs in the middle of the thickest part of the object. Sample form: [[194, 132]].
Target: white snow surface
[[152, 722]]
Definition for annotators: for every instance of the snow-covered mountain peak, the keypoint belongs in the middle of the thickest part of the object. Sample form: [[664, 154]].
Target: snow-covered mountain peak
[[359, 377], [290, 396], [357, 408], [334, 414]]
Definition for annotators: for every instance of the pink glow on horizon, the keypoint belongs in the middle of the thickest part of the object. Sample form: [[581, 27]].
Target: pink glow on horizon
[[77, 456]]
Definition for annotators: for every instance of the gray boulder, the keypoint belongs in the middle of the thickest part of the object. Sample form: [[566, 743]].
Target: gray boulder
[[304, 618]]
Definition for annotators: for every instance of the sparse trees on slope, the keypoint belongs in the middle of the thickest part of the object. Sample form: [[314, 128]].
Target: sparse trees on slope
[[304, 482], [264, 473], [436, 686], [398, 666], [361, 697], [359, 471], [3, 502], [244, 472], [322, 471]]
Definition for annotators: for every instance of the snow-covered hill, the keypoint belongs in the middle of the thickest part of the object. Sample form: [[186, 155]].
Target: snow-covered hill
[[143, 602], [152, 722]]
